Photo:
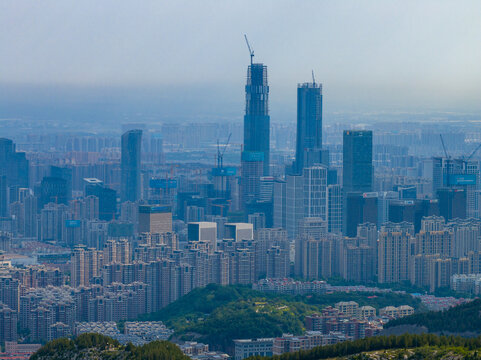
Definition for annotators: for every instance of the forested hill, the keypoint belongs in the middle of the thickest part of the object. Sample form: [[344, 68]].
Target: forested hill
[[217, 314], [95, 346], [425, 346], [460, 319]]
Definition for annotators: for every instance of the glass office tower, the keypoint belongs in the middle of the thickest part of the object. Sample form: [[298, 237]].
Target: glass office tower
[[256, 119], [130, 165], [309, 125], [357, 161]]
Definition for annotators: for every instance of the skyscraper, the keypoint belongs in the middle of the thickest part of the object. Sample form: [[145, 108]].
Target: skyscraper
[[53, 190], [130, 165], [251, 173], [334, 208], [309, 125], [14, 167], [315, 182], [359, 208], [107, 198], [256, 119], [357, 161]]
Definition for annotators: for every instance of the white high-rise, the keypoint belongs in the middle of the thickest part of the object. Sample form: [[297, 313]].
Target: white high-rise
[[315, 183]]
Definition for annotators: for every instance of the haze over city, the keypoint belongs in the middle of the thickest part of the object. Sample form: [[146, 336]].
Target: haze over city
[[186, 60]]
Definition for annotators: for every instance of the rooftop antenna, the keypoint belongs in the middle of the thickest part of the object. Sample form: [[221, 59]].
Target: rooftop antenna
[[313, 78], [251, 52]]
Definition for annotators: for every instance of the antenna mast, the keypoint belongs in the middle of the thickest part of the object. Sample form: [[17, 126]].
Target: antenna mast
[[313, 78]]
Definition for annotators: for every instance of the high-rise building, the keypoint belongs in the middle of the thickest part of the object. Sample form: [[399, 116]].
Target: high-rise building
[[203, 231], [107, 198], [155, 219], [452, 203], [30, 203], [357, 161], [395, 242], [251, 173], [8, 324], [63, 173], [294, 204], [334, 208], [309, 126], [130, 165], [52, 222], [315, 183], [85, 265], [3, 196], [279, 205], [457, 174], [256, 119], [53, 190], [14, 165], [360, 208], [239, 231]]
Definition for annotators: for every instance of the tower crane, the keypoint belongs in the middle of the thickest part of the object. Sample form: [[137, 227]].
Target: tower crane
[[474, 152], [448, 161], [251, 52], [220, 162], [220, 155]]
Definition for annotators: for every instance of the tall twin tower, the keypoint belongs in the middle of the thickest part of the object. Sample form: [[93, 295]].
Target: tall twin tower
[[257, 120], [255, 159]]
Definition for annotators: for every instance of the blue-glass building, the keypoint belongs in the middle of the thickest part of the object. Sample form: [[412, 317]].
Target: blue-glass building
[[130, 165], [256, 119], [309, 126], [357, 161]]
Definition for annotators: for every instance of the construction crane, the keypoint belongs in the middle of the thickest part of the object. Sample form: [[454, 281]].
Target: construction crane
[[450, 166], [220, 155], [251, 52], [313, 78], [448, 162], [220, 161], [444, 147], [474, 152]]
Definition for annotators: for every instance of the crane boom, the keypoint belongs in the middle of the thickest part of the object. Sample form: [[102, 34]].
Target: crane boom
[[474, 152], [313, 78], [251, 52], [221, 157], [227, 143], [444, 147]]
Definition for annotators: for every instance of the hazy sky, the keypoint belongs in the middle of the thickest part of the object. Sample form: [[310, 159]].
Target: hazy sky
[[369, 55]]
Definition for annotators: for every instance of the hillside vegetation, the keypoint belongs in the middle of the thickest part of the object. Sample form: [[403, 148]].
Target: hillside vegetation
[[459, 319], [425, 346], [219, 314], [95, 346]]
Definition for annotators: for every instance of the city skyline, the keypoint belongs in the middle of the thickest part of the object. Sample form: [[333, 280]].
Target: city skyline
[[141, 214]]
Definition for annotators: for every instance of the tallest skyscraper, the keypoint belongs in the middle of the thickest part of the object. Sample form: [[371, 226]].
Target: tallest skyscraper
[[256, 119]]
